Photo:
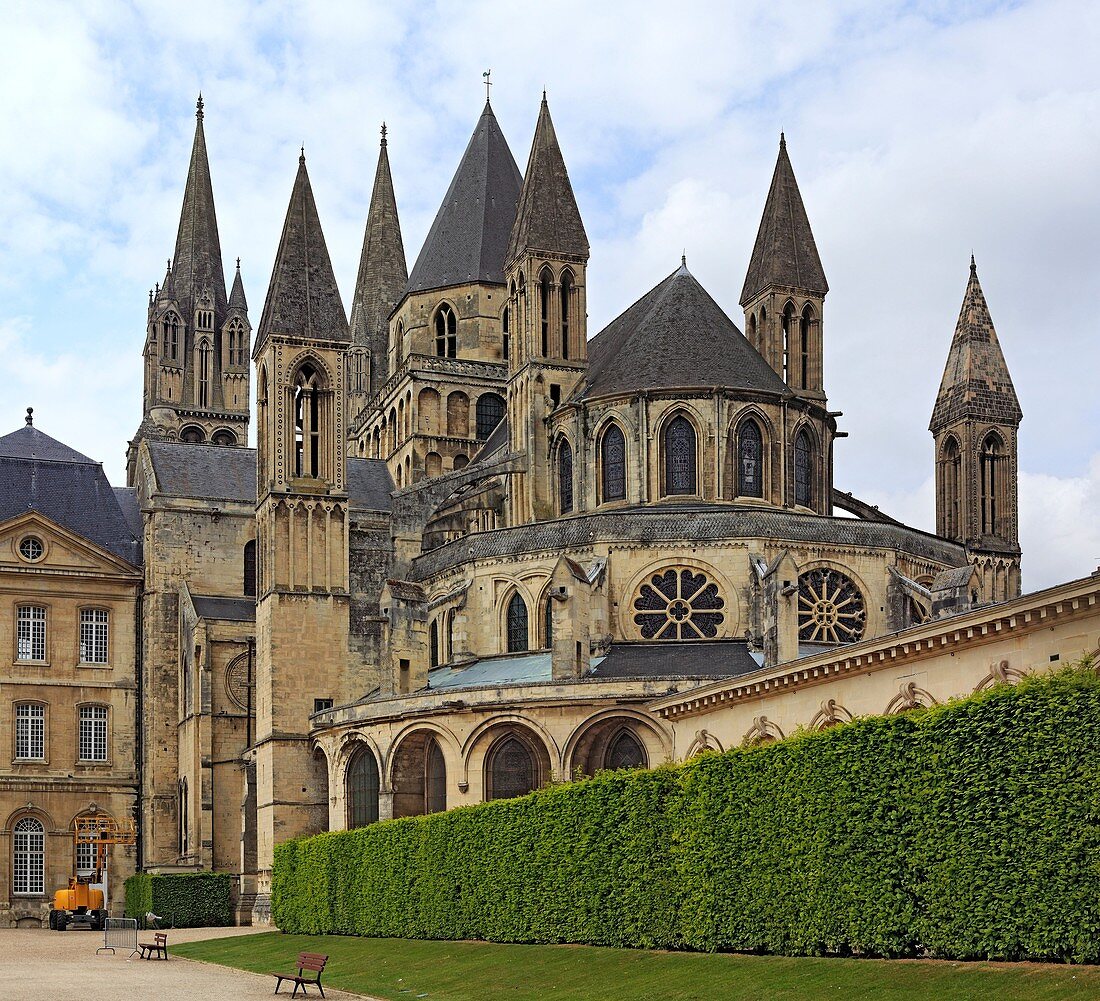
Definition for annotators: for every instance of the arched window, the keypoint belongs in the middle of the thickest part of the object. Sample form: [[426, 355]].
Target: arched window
[[952, 462], [750, 460], [566, 293], [803, 469], [565, 477], [29, 857], [625, 751], [505, 331], [804, 346], [517, 624], [613, 464], [204, 373], [184, 819], [236, 343], [446, 332], [511, 769], [490, 411], [192, 435], [224, 438], [307, 423], [433, 464], [361, 789], [435, 778], [449, 650], [433, 643], [461, 461], [788, 334], [544, 311], [752, 331], [250, 569], [991, 484], [458, 415], [679, 449]]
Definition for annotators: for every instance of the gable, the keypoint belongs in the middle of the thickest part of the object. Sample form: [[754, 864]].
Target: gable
[[63, 551]]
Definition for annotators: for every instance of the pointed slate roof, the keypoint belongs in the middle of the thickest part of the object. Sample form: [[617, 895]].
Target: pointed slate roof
[[197, 264], [30, 443], [302, 297], [785, 252], [976, 382], [547, 217], [469, 238], [237, 299], [382, 272], [675, 336]]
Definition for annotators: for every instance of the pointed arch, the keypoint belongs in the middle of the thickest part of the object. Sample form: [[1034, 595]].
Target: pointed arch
[[361, 788], [565, 475], [506, 328], [307, 385], [950, 482], [545, 281], [516, 626], [751, 331], [750, 458], [568, 284], [612, 453], [992, 484], [805, 335], [804, 468], [445, 331], [679, 450], [787, 325]]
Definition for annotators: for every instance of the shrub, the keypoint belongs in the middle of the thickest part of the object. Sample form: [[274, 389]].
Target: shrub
[[184, 900], [969, 830]]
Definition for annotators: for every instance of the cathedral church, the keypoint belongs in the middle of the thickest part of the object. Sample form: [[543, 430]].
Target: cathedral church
[[478, 547]]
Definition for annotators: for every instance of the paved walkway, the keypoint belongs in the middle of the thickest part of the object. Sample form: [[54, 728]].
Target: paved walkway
[[42, 965]]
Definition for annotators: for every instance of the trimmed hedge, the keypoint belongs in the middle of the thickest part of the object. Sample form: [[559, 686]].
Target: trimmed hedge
[[183, 899], [967, 831]]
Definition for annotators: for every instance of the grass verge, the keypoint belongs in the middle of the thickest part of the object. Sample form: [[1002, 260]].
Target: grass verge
[[405, 970]]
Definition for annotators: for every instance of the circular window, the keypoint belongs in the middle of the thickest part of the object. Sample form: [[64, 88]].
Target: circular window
[[31, 548], [830, 608], [678, 604]]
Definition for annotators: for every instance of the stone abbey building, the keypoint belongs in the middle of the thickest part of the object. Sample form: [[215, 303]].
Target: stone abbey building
[[475, 549]]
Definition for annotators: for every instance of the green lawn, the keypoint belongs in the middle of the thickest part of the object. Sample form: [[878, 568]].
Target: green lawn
[[404, 970]]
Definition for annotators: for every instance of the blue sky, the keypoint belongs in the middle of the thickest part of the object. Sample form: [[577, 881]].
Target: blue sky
[[919, 132]]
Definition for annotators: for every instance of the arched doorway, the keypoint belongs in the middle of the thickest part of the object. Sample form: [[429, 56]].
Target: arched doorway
[[419, 776]]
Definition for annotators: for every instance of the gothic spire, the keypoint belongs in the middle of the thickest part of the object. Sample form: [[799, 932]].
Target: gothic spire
[[382, 271], [976, 382], [547, 217], [302, 298], [237, 299], [785, 253], [197, 262]]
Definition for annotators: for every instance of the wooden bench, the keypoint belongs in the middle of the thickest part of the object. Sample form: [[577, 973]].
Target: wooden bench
[[314, 962], [158, 948]]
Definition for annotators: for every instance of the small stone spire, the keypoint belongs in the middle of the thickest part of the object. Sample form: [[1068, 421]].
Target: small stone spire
[[198, 107], [30, 417], [383, 143]]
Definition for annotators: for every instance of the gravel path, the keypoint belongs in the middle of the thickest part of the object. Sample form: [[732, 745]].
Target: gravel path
[[41, 965]]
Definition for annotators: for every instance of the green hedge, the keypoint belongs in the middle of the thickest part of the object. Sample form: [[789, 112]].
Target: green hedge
[[184, 899], [970, 830]]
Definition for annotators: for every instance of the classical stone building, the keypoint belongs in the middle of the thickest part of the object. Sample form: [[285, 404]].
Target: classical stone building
[[477, 549]]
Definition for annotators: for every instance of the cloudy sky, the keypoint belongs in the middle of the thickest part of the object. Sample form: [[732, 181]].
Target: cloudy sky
[[919, 131]]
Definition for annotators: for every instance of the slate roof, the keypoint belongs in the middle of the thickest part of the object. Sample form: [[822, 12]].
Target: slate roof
[[976, 381], [237, 299], [685, 524], [204, 472], [547, 217], [785, 252], [225, 609], [38, 473], [302, 298], [383, 273], [469, 237], [675, 336], [370, 486]]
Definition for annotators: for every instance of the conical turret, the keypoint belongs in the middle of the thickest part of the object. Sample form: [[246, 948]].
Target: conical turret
[[237, 298]]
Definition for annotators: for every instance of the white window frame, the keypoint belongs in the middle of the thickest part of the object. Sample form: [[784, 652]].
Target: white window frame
[[28, 875], [30, 731], [31, 634], [85, 856], [95, 636], [93, 734]]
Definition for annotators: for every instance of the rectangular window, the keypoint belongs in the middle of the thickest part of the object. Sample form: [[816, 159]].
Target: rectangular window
[[31, 633], [85, 857], [30, 732], [321, 705], [93, 733], [93, 636]]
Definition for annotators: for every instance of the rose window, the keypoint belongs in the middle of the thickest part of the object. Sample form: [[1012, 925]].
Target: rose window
[[830, 608], [678, 605]]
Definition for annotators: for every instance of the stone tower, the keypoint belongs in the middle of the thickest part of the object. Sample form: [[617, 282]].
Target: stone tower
[[785, 287], [975, 424], [301, 527], [381, 280], [548, 347], [197, 340]]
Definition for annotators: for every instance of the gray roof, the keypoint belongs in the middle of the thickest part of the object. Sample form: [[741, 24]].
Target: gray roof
[[237, 299], [469, 238], [128, 504], [976, 381], [40, 474], [785, 252], [675, 336], [303, 299], [687, 524], [205, 472], [225, 609], [370, 486]]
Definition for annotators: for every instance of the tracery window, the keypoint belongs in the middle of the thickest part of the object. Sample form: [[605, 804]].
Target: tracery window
[[446, 332], [679, 442], [435, 778], [750, 460], [625, 751], [361, 789], [29, 857], [517, 624], [204, 373], [489, 413], [803, 470], [566, 293], [831, 608], [991, 485], [678, 604], [613, 464], [307, 422], [511, 769], [565, 477]]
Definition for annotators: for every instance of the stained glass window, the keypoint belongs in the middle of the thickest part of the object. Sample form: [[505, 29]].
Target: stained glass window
[[680, 475], [678, 604], [625, 751], [613, 464], [803, 470], [517, 624], [512, 769], [361, 787], [565, 477], [750, 447]]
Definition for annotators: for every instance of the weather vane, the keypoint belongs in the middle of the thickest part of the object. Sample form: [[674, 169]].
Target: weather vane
[[488, 82]]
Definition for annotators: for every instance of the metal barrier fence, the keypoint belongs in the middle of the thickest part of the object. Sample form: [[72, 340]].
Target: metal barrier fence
[[119, 933]]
